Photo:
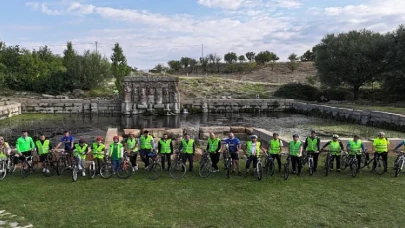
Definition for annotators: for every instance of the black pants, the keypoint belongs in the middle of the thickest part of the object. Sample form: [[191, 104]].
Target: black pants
[[296, 161], [144, 156], [188, 157], [42, 157], [249, 160], [315, 156], [384, 157], [22, 158], [134, 157], [278, 158], [333, 157], [165, 157], [215, 160], [99, 162]]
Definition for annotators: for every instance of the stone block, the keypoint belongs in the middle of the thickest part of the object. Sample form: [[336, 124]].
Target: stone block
[[238, 129], [135, 131], [215, 129], [155, 132]]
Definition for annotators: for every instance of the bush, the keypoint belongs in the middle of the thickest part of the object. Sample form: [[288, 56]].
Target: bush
[[338, 94], [298, 91]]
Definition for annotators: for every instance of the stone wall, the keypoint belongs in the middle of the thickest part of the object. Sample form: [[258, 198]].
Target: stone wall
[[9, 109], [237, 105], [70, 106]]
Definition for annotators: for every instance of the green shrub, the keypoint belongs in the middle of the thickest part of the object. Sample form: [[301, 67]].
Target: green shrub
[[298, 91], [337, 94]]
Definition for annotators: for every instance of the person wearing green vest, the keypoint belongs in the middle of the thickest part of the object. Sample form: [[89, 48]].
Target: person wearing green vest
[[187, 145], [43, 147], [25, 146], [80, 152], [165, 148], [275, 148], [295, 151], [98, 151], [116, 153], [311, 146], [146, 146], [253, 150], [214, 148], [335, 148], [131, 147], [5, 149], [355, 147], [380, 148]]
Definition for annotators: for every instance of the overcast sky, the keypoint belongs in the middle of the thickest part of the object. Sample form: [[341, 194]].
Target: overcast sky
[[155, 31]]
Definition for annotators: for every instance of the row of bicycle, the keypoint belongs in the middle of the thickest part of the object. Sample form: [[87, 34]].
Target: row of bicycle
[[177, 170]]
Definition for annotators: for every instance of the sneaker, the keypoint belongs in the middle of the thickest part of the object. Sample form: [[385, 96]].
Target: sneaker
[[133, 169], [43, 170], [47, 171], [338, 170], [136, 167], [83, 173]]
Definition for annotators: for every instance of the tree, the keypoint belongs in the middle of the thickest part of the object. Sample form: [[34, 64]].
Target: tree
[[174, 65], [265, 56], [193, 63], [273, 59], [204, 62], [119, 68], [159, 68], [354, 59], [185, 61], [241, 58], [250, 56], [308, 56], [230, 57], [292, 64]]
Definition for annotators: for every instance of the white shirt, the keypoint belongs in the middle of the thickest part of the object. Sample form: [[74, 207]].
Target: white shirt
[[253, 149]]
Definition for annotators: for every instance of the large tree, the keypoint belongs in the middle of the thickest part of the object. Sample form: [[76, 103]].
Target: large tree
[[175, 65], [353, 59], [308, 56], [250, 56], [230, 57], [119, 67], [292, 64]]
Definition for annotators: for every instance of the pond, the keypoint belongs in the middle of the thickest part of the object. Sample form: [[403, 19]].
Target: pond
[[91, 126]]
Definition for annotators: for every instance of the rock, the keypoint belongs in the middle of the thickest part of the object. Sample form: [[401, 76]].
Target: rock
[[249, 130], [175, 133], [77, 92], [238, 129], [61, 97], [215, 129], [223, 97], [47, 96], [229, 97]]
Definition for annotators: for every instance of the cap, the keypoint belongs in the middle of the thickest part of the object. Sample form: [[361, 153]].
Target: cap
[[335, 136], [116, 137], [253, 136], [99, 138], [381, 133]]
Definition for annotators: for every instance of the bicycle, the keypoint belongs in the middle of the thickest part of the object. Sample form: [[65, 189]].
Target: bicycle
[[259, 168], [3, 168], [349, 161], [11, 167], [49, 165], [269, 165], [205, 165], [106, 170], [328, 162], [27, 166], [286, 166], [125, 169], [379, 165], [63, 161], [399, 163], [308, 158], [178, 168], [154, 169], [227, 161]]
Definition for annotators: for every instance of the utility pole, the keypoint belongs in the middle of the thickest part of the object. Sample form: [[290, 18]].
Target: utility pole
[[202, 51], [96, 46]]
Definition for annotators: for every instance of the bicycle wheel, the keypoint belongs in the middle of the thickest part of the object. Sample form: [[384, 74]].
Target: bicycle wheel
[[125, 170], [311, 167], [25, 169], [49, 169], [74, 174], [204, 169], [327, 165], [343, 163], [270, 167], [35, 162], [259, 170], [3, 170], [286, 171], [364, 161], [379, 166], [354, 170], [155, 171], [228, 168], [61, 165], [11, 167], [177, 170], [106, 171], [91, 170]]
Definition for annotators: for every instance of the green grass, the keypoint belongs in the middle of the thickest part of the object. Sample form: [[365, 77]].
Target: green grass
[[380, 108], [369, 200]]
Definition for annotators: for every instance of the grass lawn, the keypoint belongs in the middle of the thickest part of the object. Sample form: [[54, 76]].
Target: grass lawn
[[392, 109], [369, 200]]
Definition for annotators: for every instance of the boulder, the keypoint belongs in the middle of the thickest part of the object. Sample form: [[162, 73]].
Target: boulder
[[238, 129], [47, 96], [215, 129], [249, 130], [135, 131], [77, 92], [175, 133], [62, 97]]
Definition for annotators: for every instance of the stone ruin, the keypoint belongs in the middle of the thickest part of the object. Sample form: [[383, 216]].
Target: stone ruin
[[151, 94]]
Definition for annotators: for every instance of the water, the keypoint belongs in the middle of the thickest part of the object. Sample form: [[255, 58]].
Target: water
[[89, 127]]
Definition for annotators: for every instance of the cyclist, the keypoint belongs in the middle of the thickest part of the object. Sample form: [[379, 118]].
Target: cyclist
[[5, 149], [98, 150], [165, 148], [275, 148], [355, 147], [335, 148], [146, 146], [25, 146], [80, 152], [295, 151], [402, 143], [187, 145], [380, 148], [234, 146], [116, 153], [68, 142], [311, 146], [43, 147], [131, 147], [252, 151], [214, 148]]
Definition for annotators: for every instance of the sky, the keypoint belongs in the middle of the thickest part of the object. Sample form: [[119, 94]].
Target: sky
[[156, 31]]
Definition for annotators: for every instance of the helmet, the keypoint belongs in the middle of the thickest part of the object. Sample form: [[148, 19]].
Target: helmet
[[381, 133], [116, 138], [253, 136], [99, 139], [296, 136], [335, 136]]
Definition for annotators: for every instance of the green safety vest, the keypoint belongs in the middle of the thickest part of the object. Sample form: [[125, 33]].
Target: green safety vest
[[81, 150], [115, 151], [146, 143], [131, 144], [42, 148], [381, 145], [275, 146], [295, 148], [187, 146], [355, 147], [25, 145], [3, 151], [334, 147], [165, 146], [312, 144], [249, 148], [213, 145], [98, 150]]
